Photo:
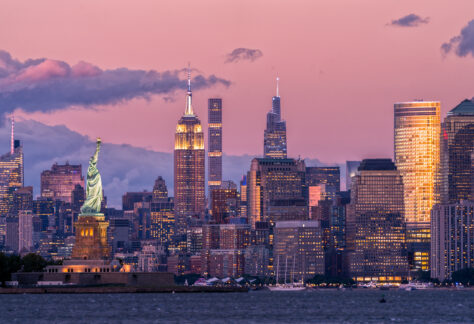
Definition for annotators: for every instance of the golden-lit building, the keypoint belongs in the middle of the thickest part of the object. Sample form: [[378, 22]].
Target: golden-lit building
[[91, 238], [375, 234], [417, 157], [189, 169]]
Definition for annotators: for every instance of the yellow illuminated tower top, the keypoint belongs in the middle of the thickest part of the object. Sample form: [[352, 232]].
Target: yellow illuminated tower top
[[189, 134]]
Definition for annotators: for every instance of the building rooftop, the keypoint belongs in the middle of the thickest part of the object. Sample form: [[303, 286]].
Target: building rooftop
[[466, 107], [377, 165]]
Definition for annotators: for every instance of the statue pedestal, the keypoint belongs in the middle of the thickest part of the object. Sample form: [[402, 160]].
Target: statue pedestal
[[91, 238]]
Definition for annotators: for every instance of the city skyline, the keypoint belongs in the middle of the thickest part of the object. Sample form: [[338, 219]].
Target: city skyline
[[321, 89]]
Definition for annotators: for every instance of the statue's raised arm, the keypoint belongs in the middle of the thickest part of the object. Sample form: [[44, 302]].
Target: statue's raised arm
[[93, 200]]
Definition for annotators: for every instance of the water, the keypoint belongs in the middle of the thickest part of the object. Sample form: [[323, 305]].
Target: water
[[323, 306]]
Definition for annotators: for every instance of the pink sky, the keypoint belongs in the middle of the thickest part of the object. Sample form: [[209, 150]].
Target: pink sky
[[341, 66]]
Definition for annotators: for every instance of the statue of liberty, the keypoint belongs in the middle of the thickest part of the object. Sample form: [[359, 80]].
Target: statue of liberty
[[94, 186]]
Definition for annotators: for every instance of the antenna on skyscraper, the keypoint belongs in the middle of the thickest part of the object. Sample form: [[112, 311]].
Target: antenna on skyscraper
[[189, 77], [278, 94], [12, 144]]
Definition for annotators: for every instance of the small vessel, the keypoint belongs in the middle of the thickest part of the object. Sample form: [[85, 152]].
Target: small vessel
[[415, 285], [371, 285], [286, 286]]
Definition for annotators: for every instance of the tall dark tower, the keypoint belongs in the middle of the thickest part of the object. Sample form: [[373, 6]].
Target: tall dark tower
[[274, 141], [214, 146], [457, 139], [189, 170]]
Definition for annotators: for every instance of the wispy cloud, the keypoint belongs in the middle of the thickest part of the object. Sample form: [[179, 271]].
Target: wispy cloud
[[48, 85], [462, 44], [411, 20], [243, 54]]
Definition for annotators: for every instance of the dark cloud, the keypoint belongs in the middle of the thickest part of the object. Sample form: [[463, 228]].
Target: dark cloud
[[243, 54], [47, 85], [123, 167], [410, 20], [462, 44]]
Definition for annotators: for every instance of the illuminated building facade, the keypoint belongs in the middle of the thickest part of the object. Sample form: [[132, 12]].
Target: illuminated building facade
[[243, 197], [59, 182], [375, 224], [189, 169], [274, 142], [11, 176], [417, 157], [270, 180], [214, 149], [91, 239], [162, 222], [452, 239], [457, 140], [298, 250]]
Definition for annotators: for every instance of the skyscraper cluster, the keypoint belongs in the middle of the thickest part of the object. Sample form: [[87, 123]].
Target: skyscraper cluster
[[285, 219]]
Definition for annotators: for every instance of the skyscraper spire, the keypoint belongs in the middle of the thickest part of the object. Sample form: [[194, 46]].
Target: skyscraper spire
[[189, 107], [278, 92], [12, 143]]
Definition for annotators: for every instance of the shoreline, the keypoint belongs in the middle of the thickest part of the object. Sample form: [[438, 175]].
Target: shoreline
[[119, 290]]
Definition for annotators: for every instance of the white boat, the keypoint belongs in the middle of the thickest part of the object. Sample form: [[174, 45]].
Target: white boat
[[415, 285], [371, 285], [287, 287]]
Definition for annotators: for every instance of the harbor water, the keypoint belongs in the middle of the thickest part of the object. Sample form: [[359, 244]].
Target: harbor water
[[320, 306]]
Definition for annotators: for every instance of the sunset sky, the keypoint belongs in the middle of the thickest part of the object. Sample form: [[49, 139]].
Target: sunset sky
[[342, 65]]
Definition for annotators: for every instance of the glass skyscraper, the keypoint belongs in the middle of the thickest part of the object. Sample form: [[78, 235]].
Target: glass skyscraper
[[11, 176], [189, 169], [417, 157], [274, 142]]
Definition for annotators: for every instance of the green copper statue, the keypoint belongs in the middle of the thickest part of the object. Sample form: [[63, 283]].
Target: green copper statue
[[94, 186]]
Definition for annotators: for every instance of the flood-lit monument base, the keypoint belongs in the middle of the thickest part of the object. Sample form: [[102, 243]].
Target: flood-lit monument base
[[91, 238]]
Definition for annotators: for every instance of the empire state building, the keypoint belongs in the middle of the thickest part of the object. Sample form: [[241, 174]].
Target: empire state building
[[189, 170]]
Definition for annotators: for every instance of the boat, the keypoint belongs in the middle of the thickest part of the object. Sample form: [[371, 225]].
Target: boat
[[415, 285], [371, 285], [293, 286], [287, 287]]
